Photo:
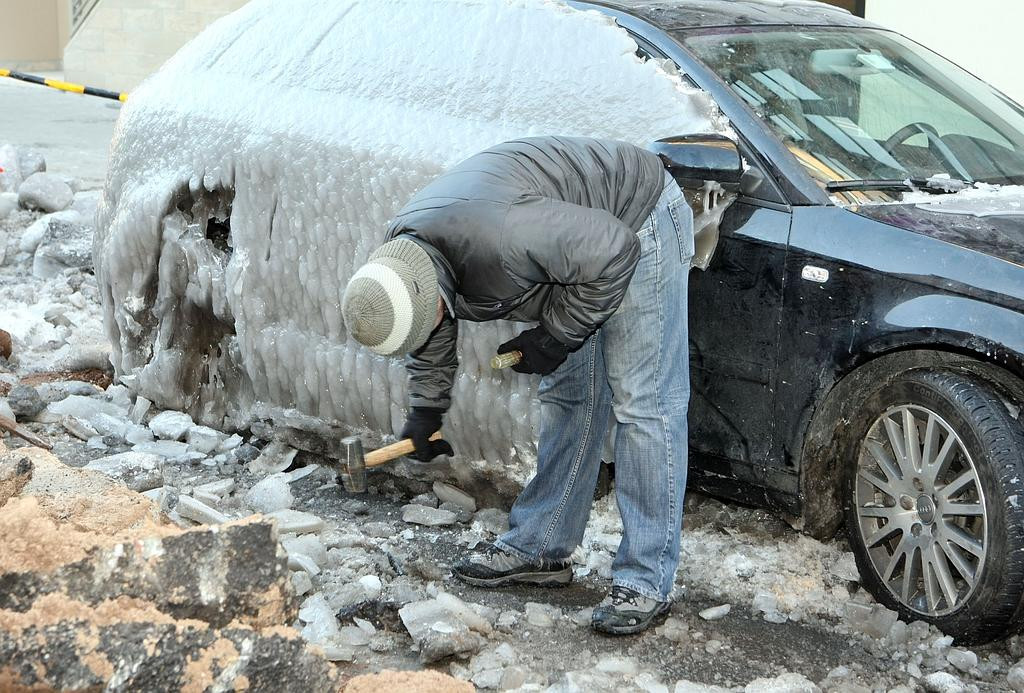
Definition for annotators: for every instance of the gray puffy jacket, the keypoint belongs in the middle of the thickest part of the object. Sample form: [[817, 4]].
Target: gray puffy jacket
[[538, 229]]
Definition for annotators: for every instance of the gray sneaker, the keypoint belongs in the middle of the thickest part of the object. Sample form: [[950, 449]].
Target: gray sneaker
[[492, 567], [625, 611]]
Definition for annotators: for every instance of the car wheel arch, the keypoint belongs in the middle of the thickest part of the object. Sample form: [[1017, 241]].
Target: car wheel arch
[[820, 462]]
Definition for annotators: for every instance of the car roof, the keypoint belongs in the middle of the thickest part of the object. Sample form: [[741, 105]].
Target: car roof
[[694, 14]]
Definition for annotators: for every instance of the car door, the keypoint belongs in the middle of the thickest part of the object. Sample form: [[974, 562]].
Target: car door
[[735, 318]]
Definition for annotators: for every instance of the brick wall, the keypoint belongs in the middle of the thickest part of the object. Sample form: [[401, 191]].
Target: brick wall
[[123, 41]]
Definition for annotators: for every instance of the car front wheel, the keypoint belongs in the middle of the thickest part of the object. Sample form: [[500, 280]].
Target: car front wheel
[[935, 502]]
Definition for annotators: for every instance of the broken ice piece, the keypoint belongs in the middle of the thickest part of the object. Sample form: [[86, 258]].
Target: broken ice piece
[[230, 443], [138, 435], [221, 487], [296, 522], [301, 582], [208, 498], [171, 425], [270, 494], [320, 621], [138, 471], [371, 585], [203, 439], [164, 448], [425, 515], [139, 410], [308, 545], [276, 457], [353, 636], [446, 493], [715, 613], [84, 408], [75, 426], [300, 561], [301, 473], [197, 511]]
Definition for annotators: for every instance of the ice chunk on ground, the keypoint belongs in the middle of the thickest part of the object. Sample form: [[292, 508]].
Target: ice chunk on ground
[[204, 439], [64, 245], [291, 162], [425, 515], [296, 522], [8, 203], [321, 624], [715, 613], [785, 683], [171, 425], [139, 471], [84, 408], [270, 494], [45, 191], [443, 627], [276, 457]]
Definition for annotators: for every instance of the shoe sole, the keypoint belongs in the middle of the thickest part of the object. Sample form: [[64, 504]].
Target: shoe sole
[[559, 579], [655, 620]]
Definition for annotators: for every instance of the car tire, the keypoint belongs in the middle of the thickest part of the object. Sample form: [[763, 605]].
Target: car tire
[[938, 534]]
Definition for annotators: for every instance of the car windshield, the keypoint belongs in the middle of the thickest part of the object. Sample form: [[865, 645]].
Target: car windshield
[[867, 105]]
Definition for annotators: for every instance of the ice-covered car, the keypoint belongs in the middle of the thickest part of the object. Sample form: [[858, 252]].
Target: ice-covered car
[[858, 339], [857, 342]]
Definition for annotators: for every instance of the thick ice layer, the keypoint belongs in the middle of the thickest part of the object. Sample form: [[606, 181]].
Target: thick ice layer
[[304, 126], [980, 200]]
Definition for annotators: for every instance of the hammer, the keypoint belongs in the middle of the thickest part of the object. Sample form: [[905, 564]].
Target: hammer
[[354, 462]]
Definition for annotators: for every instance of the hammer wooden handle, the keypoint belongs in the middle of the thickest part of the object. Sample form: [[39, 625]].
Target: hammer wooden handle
[[506, 360], [393, 451], [12, 426]]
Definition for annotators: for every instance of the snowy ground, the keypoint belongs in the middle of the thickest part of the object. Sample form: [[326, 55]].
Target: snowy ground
[[377, 587], [358, 561]]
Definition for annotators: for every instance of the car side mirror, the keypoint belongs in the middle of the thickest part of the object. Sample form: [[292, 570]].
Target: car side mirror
[[694, 159]]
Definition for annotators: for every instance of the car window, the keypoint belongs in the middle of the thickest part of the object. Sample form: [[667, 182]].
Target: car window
[[867, 104]]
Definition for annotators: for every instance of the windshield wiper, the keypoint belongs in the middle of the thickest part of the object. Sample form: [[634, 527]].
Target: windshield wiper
[[935, 186]]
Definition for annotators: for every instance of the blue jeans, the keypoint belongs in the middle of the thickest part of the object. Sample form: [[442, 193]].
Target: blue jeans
[[637, 367]]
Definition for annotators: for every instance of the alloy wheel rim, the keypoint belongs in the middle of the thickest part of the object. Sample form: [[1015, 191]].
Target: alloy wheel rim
[[921, 510]]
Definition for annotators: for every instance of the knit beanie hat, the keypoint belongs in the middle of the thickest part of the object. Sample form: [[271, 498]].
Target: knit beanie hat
[[390, 304]]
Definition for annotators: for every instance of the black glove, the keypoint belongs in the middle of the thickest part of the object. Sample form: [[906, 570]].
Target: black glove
[[542, 353], [422, 423]]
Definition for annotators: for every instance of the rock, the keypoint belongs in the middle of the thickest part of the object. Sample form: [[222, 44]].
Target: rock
[[270, 494], [964, 660], [244, 454], [276, 457], [446, 493], [407, 681], [171, 425], [86, 202], [25, 402], [491, 520], [15, 473], [46, 192], [34, 234], [943, 682], [197, 511], [321, 623], [64, 245], [7, 412], [217, 575], [296, 522], [461, 514], [875, 621], [443, 627], [204, 439], [158, 649], [10, 175], [30, 161], [139, 471], [425, 515], [715, 612], [8, 203], [786, 683], [6, 344]]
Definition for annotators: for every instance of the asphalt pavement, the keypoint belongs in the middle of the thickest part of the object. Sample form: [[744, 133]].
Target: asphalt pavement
[[72, 131]]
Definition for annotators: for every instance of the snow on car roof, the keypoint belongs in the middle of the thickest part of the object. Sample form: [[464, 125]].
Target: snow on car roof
[[686, 14]]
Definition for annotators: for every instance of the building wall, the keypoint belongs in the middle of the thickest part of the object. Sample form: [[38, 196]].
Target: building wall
[[123, 41], [980, 36], [32, 34]]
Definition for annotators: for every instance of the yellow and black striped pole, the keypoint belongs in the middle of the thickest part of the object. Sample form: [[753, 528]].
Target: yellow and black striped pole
[[65, 86]]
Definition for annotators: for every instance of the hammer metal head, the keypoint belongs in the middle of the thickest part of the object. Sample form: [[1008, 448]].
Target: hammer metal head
[[353, 465]]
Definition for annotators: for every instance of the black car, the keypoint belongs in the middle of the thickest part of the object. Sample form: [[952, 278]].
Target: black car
[[857, 342]]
